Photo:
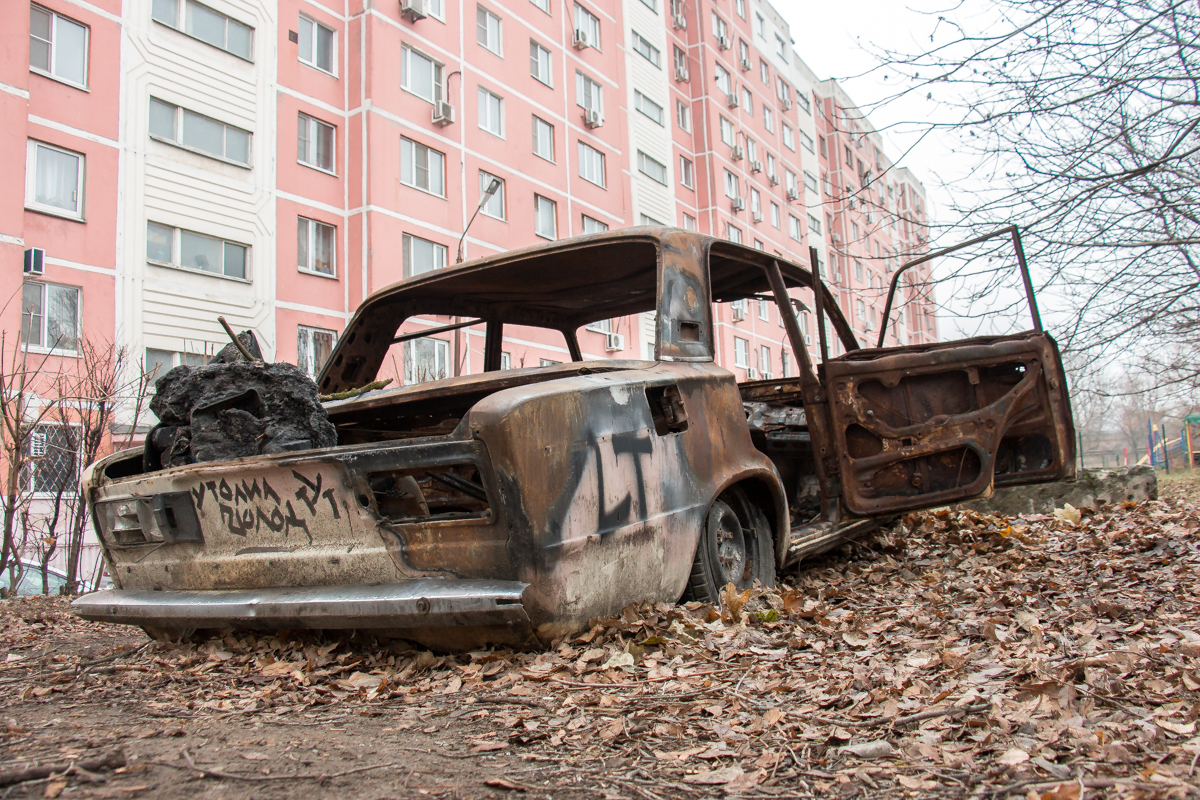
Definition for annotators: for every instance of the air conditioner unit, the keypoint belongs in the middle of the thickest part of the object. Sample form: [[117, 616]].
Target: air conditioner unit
[[414, 9], [592, 118], [35, 261], [732, 100], [751, 374], [581, 40], [785, 103], [756, 166], [443, 113], [738, 154], [792, 194], [870, 217], [723, 42], [680, 21], [614, 342], [773, 180], [739, 313], [756, 216], [837, 237], [807, 338], [746, 65], [682, 74], [739, 204], [768, 376]]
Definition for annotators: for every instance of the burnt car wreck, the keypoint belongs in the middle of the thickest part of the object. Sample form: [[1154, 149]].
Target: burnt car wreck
[[515, 506]]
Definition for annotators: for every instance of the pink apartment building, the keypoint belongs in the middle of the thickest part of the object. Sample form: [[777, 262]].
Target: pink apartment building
[[276, 163]]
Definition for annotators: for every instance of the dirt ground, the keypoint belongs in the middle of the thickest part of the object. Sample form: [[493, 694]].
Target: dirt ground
[[1052, 657]]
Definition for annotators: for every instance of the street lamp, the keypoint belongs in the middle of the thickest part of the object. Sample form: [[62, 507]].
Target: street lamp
[[492, 188]]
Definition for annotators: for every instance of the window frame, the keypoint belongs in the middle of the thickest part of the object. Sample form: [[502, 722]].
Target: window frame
[[177, 141], [582, 80], [53, 49], [28, 478], [584, 225], [43, 334], [301, 330], [407, 259], [414, 185], [534, 131], [643, 159], [538, 202], [593, 22], [484, 182], [639, 98], [490, 96], [176, 261], [31, 202], [586, 153], [436, 77], [653, 54], [331, 170], [312, 224], [535, 51], [687, 170], [683, 115], [483, 19], [333, 52], [181, 5], [441, 351]]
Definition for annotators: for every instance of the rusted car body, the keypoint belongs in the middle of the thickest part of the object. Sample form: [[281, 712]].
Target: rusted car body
[[514, 506]]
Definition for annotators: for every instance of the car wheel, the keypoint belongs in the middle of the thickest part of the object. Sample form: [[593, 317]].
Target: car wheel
[[735, 547]]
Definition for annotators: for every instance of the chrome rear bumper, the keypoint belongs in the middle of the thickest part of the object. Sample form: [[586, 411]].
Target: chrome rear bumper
[[415, 606]]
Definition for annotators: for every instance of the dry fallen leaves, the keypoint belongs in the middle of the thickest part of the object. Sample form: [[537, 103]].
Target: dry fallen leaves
[[952, 653]]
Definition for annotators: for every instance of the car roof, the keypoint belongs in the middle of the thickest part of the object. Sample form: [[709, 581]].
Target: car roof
[[562, 285]]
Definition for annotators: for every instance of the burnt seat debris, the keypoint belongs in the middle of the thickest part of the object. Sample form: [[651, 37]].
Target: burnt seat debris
[[234, 408]]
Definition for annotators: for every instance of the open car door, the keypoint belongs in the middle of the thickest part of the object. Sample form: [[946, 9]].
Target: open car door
[[926, 425]]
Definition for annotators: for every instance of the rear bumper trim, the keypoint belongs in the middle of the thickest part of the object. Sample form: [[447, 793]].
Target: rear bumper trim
[[419, 604]]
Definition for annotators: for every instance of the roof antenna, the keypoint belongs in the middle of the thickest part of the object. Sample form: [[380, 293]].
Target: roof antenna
[[492, 188]]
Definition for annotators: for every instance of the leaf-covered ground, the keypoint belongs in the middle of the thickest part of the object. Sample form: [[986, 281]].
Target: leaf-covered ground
[[1049, 657]]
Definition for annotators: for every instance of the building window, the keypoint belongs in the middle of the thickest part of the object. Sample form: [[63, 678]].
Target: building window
[[740, 7], [858, 270], [720, 28], [544, 5], [505, 357], [545, 216], [651, 4], [689, 222], [758, 245], [421, 75], [57, 46], [588, 24], [588, 94], [421, 255], [824, 147], [771, 166], [50, 317], [764, 72], [733, 233], [52, 460], [647, 107], [494, 207], [774, 214], [643, 219], [741, 352], [748, 101], [789, 139], [316, 244], [810, 181], [786, 357], [422, 167], [794, 227], [54, 180], [315, 143], [743, 53], [543, 139], [768, 119], [313, 346], [686, 176], [760, 27], [764, 359], [803, 101], [764, 310], [176, 125], [201, 22], [681, 61], [491, 112], [488, 30], [722, 77], [781, 48], [591, 164], [683, 116], [731, 185], [317, 45], [174, 247], [806, 141], [789, 182], [540, 65], [727, 134], [425, 360], [646, 50], [593, 225], [652, 169], [755, 201]]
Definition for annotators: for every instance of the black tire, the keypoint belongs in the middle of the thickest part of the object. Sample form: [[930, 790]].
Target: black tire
[[736, 546]]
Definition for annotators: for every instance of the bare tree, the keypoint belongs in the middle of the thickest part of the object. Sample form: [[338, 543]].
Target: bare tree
[[1081, 117]]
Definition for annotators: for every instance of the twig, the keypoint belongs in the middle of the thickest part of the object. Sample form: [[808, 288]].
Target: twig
[[236, 341], [212, 773], [924, 715], [112, 760], [346, 395]]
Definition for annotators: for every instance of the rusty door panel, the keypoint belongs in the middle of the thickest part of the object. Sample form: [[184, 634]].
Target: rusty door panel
[[921, 426]]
